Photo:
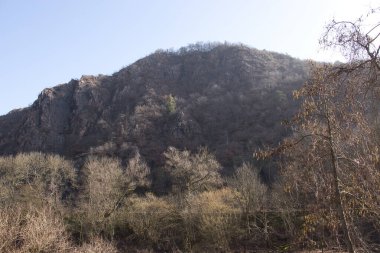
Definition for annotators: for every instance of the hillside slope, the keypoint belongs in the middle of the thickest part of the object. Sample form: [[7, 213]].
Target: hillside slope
[[230, 98]]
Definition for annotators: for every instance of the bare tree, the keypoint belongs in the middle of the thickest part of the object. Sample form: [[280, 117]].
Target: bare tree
[[192, 172], [333, 154], [251, 195], [107, 185]]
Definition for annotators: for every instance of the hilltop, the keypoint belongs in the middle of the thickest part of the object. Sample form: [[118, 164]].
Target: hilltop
[[228, 98]]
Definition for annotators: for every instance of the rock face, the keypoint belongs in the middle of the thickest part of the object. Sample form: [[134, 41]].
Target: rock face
[[230, 98]]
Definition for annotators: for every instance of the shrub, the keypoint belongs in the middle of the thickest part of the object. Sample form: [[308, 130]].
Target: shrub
[[252, 197], [192, 173], [10, 226], [215, 215], [96, 245], [107, 185], [32, 230], [103, 184], [251, 191], [153, 219], [43, 231], [35, 178]]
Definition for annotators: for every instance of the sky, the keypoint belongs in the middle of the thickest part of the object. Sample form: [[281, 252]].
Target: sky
[[44, 43]]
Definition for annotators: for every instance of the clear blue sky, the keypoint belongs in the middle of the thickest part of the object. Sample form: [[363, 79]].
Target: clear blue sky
[[47, 42]]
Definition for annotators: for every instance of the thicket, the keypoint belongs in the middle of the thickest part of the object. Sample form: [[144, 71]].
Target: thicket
[[48, 205]]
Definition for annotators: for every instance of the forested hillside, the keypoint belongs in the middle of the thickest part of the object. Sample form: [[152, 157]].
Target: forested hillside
[[228, 98]]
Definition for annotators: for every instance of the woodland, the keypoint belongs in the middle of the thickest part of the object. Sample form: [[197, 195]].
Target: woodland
[[211, 148]]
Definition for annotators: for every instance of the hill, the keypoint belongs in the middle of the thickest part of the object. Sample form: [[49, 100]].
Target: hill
[[229, 98]]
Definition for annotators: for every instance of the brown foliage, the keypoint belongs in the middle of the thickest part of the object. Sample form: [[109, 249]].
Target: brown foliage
[[153, 220], [212, 219], [191, 173], [35, 178], [331, 162], [32, 230]]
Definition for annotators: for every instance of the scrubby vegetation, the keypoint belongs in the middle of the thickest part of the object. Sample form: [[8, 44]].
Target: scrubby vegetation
[[50, 206], [105, 206], [326, 195]]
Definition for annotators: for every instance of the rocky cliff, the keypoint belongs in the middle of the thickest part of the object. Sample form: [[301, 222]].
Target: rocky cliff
[[230, 98]]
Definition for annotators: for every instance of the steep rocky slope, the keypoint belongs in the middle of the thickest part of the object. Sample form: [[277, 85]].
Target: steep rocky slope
[[230, 98]]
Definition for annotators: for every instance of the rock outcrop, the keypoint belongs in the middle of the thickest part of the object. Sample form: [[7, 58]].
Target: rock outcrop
[[230, 98]]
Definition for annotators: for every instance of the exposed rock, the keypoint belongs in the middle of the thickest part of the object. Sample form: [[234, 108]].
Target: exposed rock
[[230, 98]]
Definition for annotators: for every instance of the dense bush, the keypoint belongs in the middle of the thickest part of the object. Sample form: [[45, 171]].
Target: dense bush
[[215, 217], [32, 230], [109, 204], [192, 173], [153, 220], [113, 209], [96, 245], [36, 178]]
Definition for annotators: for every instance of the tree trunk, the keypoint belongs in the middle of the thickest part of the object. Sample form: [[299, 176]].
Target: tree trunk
[[337, 194]]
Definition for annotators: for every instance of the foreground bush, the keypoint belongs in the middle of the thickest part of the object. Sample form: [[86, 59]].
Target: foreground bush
[[10, 229], [96, 245], [212, 218], [106, 186], [33, 230], [112, 207], [192, 173], [43, 231], [102, 188], [153, 220], [35, 178]]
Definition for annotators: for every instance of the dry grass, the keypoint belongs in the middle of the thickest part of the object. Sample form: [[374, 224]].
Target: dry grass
[[33, 230], [44, 232], [10, 228], [96, 245]]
